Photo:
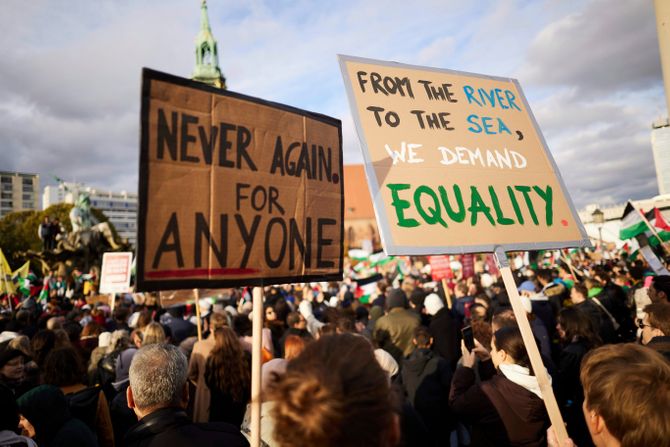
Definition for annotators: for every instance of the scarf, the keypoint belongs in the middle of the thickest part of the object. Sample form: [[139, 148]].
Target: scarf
[[522, 377]]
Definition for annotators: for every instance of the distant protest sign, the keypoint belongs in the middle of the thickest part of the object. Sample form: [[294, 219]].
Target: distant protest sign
[[456, 162], [235, 190], [115, 272], [440, 268]]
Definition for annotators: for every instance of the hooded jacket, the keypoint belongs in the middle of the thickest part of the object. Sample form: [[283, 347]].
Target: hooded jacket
[[501, 412], [46, 409]]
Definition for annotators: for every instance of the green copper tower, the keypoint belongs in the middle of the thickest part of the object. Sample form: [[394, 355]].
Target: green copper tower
[[206, 55]]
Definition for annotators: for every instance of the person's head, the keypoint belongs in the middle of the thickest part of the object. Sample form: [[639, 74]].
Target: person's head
[[507, 347], [478, 312], [626, 396], [659, 290], [461, 289], [293, 346], [657, 321], [22, 343], [63, 367], [12, 363], [503, 318], [396, 298], [217, 321], [153, 333], [270, 314], [579, 293], [544, 276], [157, 375], [43, 411], [574, 325], [42, 343], [296, 320], [55, 323], [422, 338], [227, 369], [417, 299], [337, 394], [433, 304]]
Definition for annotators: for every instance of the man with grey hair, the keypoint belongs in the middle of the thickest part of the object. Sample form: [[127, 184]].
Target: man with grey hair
[[158, 394]]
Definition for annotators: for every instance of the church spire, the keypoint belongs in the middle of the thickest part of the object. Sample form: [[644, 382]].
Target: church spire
[[206, 54]]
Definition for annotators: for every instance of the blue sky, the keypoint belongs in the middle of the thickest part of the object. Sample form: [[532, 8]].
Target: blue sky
[[70, 73]]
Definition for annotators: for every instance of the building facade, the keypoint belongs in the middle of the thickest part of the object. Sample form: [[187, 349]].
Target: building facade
[[19, 191], [660, 144], [119, 207]]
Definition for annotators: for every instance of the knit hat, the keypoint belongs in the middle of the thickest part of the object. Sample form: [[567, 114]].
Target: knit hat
[[528, 286], [396, 298], [433, 304], [7, 354]]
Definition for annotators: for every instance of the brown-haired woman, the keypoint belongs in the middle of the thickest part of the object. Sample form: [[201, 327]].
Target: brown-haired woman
[[228, 377], [333, 394], [505, 408], [64, 368]]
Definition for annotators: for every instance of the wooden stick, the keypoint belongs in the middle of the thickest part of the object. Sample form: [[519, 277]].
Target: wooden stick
[[256, 352], [447, 292], [196, 295], [533, 352]]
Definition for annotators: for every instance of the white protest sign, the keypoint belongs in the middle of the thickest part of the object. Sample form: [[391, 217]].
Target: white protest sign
[[115, 275]]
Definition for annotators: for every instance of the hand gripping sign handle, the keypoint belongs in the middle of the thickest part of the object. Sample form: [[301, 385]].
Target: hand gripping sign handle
[[531, 346]]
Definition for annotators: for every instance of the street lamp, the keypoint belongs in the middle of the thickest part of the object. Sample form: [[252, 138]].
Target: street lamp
[[599, 219]]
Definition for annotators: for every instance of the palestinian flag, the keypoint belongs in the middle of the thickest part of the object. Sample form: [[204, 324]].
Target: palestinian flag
[[659, 221], [632, 223]]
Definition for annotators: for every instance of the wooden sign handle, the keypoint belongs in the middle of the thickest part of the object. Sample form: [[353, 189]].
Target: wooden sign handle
[[196, 296], [256, 353], [531, 346], [447, 292]]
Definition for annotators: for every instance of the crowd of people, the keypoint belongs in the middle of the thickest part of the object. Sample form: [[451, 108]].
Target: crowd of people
[[394, 367]]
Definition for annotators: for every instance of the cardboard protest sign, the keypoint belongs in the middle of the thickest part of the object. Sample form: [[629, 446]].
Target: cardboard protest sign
[[115, 272], [169, 298], [95, 299], [456, 162], [235, 190]]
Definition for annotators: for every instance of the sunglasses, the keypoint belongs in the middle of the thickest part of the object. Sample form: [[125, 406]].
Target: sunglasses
[[640, 323]]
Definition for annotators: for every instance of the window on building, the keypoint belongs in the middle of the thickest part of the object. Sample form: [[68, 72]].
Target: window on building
[[5, 179], [6, 195], [6, 186], [27, 197], [28, 205], [28, 188], [27, 181]]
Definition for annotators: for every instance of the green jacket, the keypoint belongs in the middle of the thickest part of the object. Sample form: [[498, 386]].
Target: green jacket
[[394, 332]]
